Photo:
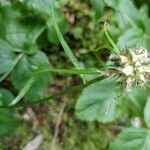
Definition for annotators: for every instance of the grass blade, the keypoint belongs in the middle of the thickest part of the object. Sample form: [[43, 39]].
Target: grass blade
[[115, 50], [23, 92], [64, 44]]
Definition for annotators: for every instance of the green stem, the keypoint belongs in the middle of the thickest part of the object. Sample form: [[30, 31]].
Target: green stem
[[47, 69], [77, 88], [70, 71]]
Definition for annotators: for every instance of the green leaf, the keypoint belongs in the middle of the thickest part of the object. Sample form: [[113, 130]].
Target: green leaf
[[98, 6], [5, 96], [133, 37], [132, 139], [126, 16], [24, 70], [21, 32], [13, 66], [41, 6], [147, 112], [8, 121], [23, 36], [7, 57], [6, 18], [4, 2], [98, 102], [112, 3], [136, 100]]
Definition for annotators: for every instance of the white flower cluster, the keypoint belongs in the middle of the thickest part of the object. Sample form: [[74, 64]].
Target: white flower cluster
[[134, 67]]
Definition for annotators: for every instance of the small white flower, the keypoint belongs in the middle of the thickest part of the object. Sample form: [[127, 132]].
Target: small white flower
[[140, 69], [129, 81], [134, 67], [123, 59], [142, 79], [127, 70], [137, 64]]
